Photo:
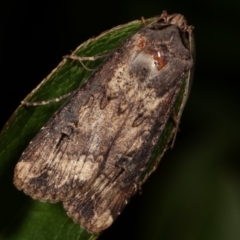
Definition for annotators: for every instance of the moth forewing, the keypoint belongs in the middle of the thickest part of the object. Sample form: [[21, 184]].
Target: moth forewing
[[167, 138], [92, 153]]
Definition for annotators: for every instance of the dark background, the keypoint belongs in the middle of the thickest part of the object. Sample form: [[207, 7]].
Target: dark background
[[195, 193]]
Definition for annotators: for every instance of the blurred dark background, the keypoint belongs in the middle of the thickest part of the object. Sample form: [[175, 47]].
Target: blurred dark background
[[195, 193]]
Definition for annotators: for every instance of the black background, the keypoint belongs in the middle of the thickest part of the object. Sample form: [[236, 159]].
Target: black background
[[195, 192]]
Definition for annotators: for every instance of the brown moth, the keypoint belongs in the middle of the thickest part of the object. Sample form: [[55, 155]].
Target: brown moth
[[92, 152]]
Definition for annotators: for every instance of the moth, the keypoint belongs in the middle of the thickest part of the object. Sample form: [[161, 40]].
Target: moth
[[93, 151]]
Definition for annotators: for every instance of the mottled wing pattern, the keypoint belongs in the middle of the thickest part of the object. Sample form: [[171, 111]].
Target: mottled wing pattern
[[92, 153]]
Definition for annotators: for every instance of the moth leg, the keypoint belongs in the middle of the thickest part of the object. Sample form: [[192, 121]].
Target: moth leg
[[29, 104], [73, 57], [90, 58], [82, 59], [176, 117], [143, 20]]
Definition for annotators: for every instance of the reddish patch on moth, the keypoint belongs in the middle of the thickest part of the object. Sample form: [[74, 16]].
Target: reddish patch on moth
[[158, 57], [142, 43]]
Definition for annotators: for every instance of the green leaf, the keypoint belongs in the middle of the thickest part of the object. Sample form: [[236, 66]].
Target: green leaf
[[21, 217]]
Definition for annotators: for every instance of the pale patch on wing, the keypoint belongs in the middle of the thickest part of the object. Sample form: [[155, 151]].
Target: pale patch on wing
[[54, 173], [102, 221], [95, 138], [97, 207], [89, 167], [22, 174]]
